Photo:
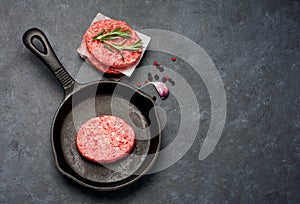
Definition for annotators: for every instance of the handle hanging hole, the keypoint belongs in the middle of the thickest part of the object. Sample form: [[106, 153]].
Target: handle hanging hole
[[39, 44]]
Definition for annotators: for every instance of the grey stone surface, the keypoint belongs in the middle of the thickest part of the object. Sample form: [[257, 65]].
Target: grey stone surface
[[256, 48]]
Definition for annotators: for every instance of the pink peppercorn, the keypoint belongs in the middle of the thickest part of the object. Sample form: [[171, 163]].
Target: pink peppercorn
[[155, 63]]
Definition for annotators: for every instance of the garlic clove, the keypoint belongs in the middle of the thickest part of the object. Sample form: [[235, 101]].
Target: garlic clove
[[161, 89]]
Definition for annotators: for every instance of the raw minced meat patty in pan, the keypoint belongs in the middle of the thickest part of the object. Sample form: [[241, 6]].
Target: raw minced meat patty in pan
[[105, 139]]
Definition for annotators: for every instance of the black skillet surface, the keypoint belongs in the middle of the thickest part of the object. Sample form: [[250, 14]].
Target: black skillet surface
[[84, 101]]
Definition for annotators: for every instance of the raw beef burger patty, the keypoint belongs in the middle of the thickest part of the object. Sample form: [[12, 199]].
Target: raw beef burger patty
[[105, 56], [105, 139]]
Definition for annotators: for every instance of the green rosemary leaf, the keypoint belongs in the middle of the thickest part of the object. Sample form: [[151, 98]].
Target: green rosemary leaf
[[117, 29], [100, 33], [122, 56], [107, 47]]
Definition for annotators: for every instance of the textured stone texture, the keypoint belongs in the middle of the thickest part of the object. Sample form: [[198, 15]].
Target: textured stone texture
[[255, 46]]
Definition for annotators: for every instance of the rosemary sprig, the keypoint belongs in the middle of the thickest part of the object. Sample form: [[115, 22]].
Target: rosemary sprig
[[102, 36], [133, 47], [115, 34]]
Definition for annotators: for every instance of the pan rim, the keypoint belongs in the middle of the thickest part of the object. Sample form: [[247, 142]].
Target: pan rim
[[78, 88]]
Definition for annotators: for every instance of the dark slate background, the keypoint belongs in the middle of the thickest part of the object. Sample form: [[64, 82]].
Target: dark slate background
[[256, 48]]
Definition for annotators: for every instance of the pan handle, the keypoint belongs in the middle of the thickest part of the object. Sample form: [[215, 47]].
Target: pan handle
[[48, 57]]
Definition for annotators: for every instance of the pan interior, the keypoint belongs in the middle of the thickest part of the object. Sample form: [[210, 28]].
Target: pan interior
[[90, 102]]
